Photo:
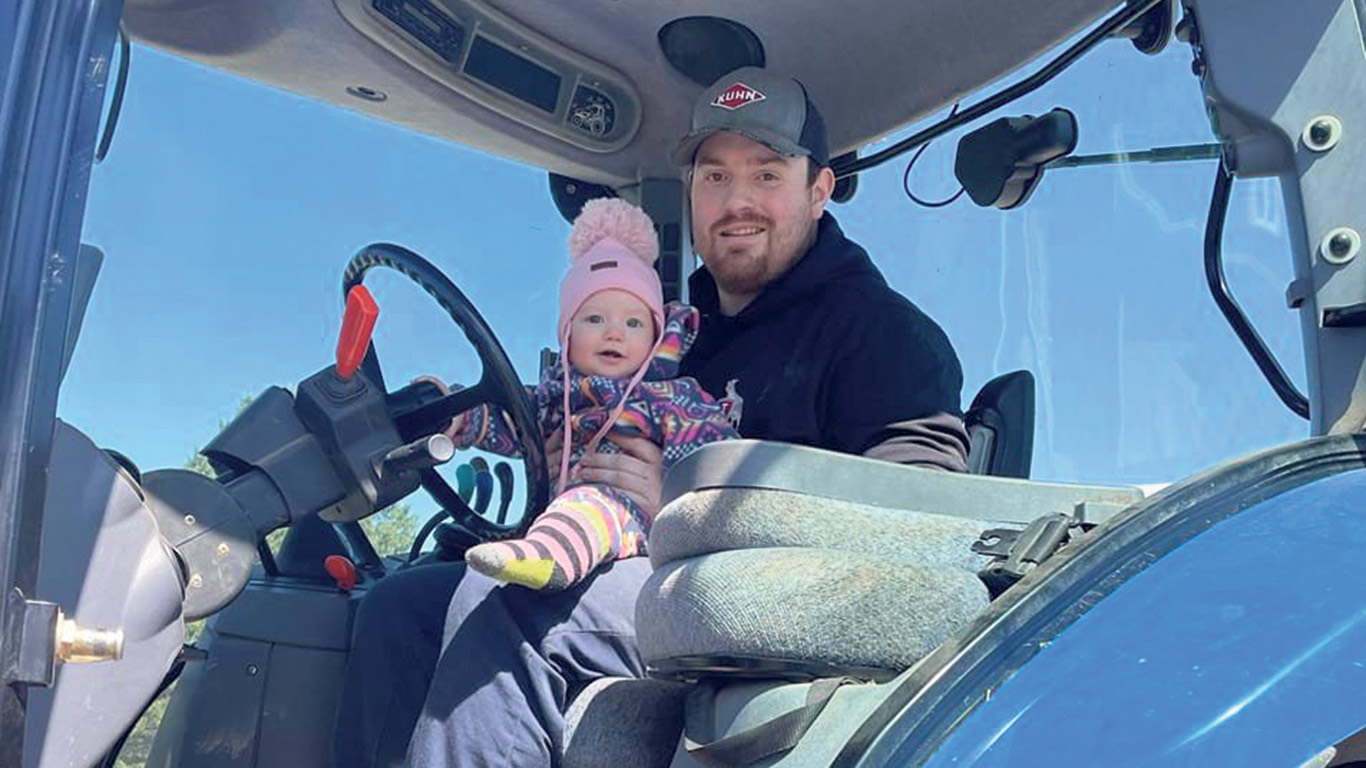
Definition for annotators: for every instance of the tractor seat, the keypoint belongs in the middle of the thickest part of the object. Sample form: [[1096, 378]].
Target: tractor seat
[[776, 562]]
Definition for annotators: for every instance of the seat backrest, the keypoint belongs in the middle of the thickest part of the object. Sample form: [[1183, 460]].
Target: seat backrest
[[1000, 426]]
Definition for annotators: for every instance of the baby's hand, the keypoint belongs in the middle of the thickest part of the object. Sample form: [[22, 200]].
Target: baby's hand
[[458, 420]]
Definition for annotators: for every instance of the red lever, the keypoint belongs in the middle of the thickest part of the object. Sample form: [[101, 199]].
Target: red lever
[[357, 324], [342, 571]]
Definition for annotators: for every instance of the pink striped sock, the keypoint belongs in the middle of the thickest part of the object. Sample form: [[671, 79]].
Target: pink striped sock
[[581, 529]]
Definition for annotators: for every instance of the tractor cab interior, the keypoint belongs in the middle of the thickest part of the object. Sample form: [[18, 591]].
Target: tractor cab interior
[[755, 605]]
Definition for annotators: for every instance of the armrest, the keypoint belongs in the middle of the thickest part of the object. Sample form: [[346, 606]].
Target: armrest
[[759, 464]]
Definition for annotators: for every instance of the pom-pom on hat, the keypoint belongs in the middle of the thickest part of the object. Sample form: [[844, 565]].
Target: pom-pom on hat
[[613, 245]]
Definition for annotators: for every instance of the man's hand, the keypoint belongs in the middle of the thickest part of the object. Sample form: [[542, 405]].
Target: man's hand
[[554, 454], [637, 472]]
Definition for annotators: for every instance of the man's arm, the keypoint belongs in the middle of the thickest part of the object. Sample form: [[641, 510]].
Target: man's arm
[[895, 393], [939, 441]]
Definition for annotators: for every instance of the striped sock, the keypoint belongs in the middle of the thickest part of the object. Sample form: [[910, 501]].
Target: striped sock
[[581, 529]]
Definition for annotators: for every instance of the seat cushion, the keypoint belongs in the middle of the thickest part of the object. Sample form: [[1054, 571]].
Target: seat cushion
[[713, 520], [804, 604]]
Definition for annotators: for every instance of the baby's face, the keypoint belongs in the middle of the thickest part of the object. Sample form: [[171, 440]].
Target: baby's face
[[611, 334]]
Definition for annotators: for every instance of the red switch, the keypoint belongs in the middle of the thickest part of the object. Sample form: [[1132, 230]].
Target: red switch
[[342, 571], [357, 325]]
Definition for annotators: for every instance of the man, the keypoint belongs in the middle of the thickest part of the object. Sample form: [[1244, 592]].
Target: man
[[808, 344], [798, 327]]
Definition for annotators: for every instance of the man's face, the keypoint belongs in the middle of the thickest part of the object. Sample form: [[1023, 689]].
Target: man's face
[[753, 212]]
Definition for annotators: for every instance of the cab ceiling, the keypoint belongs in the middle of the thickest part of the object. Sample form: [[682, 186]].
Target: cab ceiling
[[871, 66]]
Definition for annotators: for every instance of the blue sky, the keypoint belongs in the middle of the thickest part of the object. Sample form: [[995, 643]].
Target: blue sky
[[227, 211]]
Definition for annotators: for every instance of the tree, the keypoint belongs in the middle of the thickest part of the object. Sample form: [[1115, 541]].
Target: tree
[[392, 529]]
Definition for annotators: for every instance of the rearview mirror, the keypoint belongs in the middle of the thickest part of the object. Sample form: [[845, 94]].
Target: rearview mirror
[[1002, 162]]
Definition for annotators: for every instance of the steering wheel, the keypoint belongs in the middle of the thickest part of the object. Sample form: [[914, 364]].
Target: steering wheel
[[498, 386]]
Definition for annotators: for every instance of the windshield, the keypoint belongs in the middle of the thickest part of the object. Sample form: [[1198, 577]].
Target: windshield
[[227, 210]]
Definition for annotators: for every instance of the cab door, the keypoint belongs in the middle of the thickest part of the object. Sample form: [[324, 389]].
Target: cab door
[[54, 62]]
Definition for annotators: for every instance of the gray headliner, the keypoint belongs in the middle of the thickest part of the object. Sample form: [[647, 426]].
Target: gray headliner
[[872, 67]]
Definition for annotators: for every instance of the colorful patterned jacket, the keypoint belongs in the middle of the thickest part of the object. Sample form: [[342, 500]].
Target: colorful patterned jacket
[[674, 413]]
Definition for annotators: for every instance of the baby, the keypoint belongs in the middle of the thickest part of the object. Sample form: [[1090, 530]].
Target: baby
[[617, 372]]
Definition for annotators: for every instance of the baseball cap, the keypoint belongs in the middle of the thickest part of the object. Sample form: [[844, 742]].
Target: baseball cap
[[762, 105]]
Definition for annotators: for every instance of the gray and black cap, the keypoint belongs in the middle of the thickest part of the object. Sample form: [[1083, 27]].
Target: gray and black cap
[[762, 105]]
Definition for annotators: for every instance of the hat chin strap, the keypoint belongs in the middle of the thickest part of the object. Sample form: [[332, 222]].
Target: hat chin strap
[[592, 446]]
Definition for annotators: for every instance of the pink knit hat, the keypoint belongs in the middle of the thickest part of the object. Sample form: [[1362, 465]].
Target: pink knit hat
[[613, 245]]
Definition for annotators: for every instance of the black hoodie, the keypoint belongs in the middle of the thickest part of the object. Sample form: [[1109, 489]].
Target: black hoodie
[[828, 355]]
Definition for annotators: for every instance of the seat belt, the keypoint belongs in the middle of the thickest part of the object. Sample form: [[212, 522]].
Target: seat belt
[[752, 744]]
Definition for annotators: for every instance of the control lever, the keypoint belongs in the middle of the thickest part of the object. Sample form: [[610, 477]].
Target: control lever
[[483, 484], [503, 471], [357, 325], [424, 453], [464, 482]]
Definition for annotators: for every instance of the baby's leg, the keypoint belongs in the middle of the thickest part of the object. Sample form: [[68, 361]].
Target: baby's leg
[[582, 528]]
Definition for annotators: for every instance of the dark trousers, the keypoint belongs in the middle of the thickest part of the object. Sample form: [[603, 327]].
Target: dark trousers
[[514, 658], [396, 640]]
